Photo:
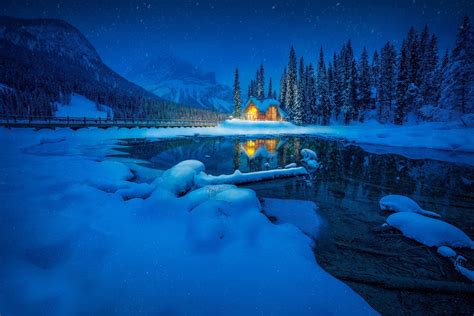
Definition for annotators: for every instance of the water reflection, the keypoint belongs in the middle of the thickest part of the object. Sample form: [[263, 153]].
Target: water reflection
[[347, 169]]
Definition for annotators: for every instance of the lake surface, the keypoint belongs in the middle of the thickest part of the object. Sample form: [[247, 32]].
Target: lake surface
[[377, 263]]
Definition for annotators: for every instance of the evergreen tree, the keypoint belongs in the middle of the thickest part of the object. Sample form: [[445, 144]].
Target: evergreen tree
[[237, 99], [375, 74], [311, 107], [458, 85], [402, 85], [299, 103], [270, 89], [428, 68], [440, 74], [413, 57], [260, 83], [283, 90], [364, 83], [349, 95], [387, 82], [291, 86], [337, 85], [322, 91]]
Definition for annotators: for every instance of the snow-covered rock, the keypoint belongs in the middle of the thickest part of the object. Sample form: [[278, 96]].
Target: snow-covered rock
[[310, 158], [308, 154], [180, 178], [401, 203], [429, 231], [464, 271], [446, 252]]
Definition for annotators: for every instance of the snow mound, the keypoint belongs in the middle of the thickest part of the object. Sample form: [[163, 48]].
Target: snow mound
[[80, 106], [308, 154], [206, 193], [110, 176], [302, 214], [400, 203], [310, 158], [446, 252], [180, 178], [429, 231]]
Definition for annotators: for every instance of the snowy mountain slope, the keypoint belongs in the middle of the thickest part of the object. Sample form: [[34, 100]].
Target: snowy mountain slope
[[47, 60], [180, 81]]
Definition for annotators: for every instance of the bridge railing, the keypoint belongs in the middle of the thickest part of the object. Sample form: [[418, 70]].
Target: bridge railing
[[19, 120]]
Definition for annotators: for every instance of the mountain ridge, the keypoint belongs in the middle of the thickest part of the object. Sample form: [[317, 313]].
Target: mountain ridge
[[46, 60]]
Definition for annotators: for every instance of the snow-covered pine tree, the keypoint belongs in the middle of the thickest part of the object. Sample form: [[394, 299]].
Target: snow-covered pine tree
[[440, 74], [402, 85], [458, 85], [260, 82], [270, 89], [302, 88], [291, 85], [364, 83], [310, 115], [283, 90], [237, 99], [428, 68], [299, 102], [387, 82], [413, 57], [375, 75], [322, 91], [330, 72], [349, 96], [337, 84]]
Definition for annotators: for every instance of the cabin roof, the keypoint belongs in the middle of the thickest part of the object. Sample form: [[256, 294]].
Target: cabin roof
[[263, 105]]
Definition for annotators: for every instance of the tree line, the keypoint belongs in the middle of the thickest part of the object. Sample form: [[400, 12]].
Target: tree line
[[34, 82], [411, 84]]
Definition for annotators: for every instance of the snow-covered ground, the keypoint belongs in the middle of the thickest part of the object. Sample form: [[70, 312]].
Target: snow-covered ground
[[80, 106], [75, 238]]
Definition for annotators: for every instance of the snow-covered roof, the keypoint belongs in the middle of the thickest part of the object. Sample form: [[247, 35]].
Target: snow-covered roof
[[263, 105]]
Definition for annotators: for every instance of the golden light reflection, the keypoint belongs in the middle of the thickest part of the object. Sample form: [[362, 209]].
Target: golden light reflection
[[250, 147]]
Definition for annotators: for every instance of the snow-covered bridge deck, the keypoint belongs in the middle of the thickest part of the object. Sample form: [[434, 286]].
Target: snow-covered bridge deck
[[81, 122]]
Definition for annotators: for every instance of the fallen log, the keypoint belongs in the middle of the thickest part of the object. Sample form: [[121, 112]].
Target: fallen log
[[238, 177]]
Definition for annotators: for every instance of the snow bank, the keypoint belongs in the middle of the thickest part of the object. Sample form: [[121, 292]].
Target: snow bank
[[238, 124], [237, 177], [302, 214], [429, 231], [80, 106], [400, 203], [78, 237]]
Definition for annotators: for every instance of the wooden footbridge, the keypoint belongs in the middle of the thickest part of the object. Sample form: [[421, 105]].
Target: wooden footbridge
[[39, 122]]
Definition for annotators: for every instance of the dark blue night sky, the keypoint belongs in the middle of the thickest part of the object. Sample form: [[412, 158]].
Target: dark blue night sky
[[218, 35]]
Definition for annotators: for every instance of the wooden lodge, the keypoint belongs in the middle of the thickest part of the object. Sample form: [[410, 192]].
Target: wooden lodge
[[263, 110]]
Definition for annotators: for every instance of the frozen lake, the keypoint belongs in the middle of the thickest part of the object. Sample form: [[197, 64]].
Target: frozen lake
[[376, 263]]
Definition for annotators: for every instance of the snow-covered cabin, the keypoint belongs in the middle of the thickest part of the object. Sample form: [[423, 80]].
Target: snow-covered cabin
[[263, 110]]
